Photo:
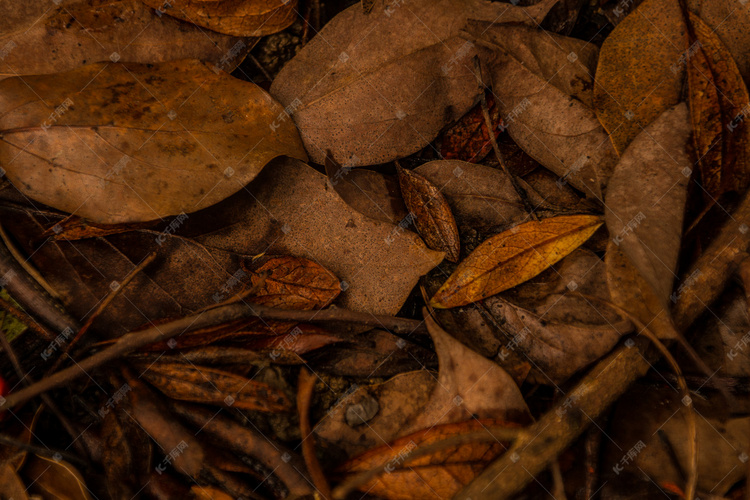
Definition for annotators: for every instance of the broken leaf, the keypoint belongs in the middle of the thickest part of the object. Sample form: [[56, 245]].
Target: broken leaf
[[431, 213], [232, 17], [211, 386], [651, 44], [41, 38], [514, 256], [378, 86], [468, 139], [127, 142]]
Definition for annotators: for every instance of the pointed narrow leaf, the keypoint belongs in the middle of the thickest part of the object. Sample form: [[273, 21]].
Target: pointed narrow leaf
[[514, 256]]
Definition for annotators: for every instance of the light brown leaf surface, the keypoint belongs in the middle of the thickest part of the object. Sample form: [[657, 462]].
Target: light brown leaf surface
[[13, 486], [376, 87], [718, 100], [232, 17], [646, 199], [128, 142], [49, 37], [514, 256], [432, 214], [55, 479], [206, 385], [292, 283], [543, 83], [640, 70]]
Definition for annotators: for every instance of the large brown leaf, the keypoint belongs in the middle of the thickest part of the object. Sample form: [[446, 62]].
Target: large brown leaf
[[543, 83], [432, 214], [718, 101], [649, 43], [374, 87], [49, 37], [129, 142], [233, 17], [514, 256]]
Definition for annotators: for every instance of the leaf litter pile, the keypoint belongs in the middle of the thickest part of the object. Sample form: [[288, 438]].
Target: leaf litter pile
[[395, 249]]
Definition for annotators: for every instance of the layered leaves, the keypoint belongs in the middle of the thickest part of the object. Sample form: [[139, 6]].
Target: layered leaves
[[127, 142], [514, 256]]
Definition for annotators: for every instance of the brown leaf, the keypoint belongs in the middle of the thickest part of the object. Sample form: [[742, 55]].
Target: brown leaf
[[514, 256], [544, 89], [126, 454], [292, 283], [98, 142], [13, 486], [432, 215], [649, 43], [718, 102], [479, 196], [646, 199], [75, 228], [54, 479], [376, 87], [468, 139], [41, 38], [211, 386], [232, 17], [438, 475], [370, 193]]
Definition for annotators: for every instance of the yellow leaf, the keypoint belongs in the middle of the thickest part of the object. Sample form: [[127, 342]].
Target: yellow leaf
[[514, 256]]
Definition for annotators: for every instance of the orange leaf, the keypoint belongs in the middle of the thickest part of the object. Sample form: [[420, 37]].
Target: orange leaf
[[514, 256]]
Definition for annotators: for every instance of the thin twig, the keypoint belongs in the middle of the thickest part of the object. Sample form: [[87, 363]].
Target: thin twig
[[304, 398], [27, 320], [24, 263]]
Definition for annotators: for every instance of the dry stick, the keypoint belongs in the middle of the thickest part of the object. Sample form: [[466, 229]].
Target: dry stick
[[304, 398], [25, 264], [134, 340], [27, 320], [498, 154]]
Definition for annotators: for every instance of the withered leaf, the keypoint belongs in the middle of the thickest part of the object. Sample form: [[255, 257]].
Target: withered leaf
[[544, 89], [40, 38], [370, 193], [439, 475], [292, 283], [646, 199], [718, 101], [432, 214], [649, 43], [514, 256], [211, 386], [125, 455], [375, 87], [129, 142], [468, 140], [13, 486], [232, 17], [54, 479]]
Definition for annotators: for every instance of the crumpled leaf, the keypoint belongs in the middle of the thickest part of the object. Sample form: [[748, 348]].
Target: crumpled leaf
[[439, 475], [718, 101], [432, 214], [648, 43], [559, 332], [370, 193], [468, 139], [514, 256], [54, 479], [479, 196], [98, 142], [232, 17], [51, 37], [646, 201], [544, 89], [206, 385], [292, 283], [378, 86]]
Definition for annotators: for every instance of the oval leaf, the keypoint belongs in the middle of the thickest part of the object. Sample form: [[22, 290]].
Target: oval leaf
[[514, 256], [129, 142]]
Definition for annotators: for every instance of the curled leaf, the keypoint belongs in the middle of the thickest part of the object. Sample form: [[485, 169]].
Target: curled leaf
[[514, 256], [432, 214]]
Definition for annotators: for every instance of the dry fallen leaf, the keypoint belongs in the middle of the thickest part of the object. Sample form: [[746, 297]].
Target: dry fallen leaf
[[51, 37], [292, 283], [431, 212], [123, 455], [718, 101], [13, 486], [128, 142], [372, 88], [54, 479], [468, 139], [544, 90], [646, 200], [232, 17], [438, 475], [206, 385], [651, 43], [514, 256]]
